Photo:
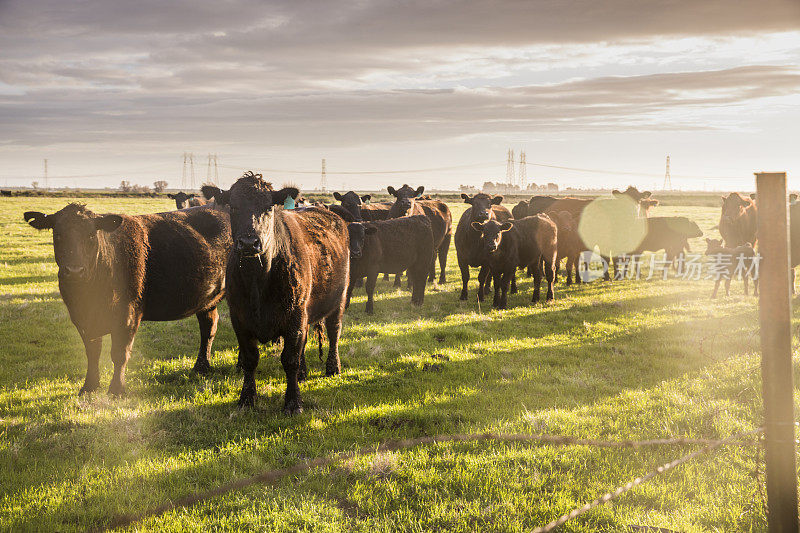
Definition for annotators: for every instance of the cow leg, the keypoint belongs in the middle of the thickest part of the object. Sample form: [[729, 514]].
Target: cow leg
[[514, 282], [121, 342], [606, 275], [537, 279], [349, 292], [550, 271], [333, 326], [93, 348], [398, 279], [568, 268], [419, 274], [716, 286], [444, 248], [483, 275], [248, 361], [293, 346], [369, 286], [386, 276], [432, 270], [302, 368], [464, 267], [496, 300], [208, 330], [728, 287], [744, 279], [557, 267]]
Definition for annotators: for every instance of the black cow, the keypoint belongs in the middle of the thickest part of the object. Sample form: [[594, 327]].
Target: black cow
[[183, 200], [288, 269], [391, 246], [116, 270], [468, 247]]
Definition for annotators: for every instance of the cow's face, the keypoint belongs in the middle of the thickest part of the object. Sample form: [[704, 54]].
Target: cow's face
[[77, 236], [405, 198], [733, 204], [352, 202], [491, 234], [181, 199], [714, 246], [481, 206], [358, 232], [633, 193], [252, 205]]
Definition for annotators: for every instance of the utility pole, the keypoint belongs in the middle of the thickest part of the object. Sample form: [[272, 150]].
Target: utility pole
[[522, 177], [188, 170], [323, 181], [667, 178], [212, 163], [510, 168]]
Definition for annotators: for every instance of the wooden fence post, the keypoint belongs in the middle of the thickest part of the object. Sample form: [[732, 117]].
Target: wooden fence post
[[775, 310]]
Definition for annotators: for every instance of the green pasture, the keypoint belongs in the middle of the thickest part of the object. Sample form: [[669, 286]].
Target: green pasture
[[621, 360]]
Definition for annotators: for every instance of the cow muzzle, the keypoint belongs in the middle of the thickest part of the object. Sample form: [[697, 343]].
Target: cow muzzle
[[248, 245], [72, 273]]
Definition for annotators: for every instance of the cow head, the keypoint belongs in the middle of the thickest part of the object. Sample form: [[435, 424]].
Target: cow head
[[491, 234], [481, 203], [252, 204], [181, 199], [633, 193], [714, 246], [358, 232], [645, 205], [351, 202], [405, 198], [734, 203], [77, 238]]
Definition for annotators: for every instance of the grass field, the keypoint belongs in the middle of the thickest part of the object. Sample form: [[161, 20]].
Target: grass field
[[622, 360]]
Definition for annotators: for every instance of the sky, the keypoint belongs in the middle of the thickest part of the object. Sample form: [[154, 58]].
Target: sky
[[431, 92]]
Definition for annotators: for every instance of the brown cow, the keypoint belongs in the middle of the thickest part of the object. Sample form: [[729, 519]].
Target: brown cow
[[406, 203], [468, 247], [570, 244], [116, 270], [730, 262], [183, 200], [533, 206], [670, 234], [289, 269], [738, 221], [527, 242]]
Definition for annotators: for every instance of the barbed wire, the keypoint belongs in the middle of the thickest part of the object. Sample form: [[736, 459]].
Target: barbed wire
[[271, 476]]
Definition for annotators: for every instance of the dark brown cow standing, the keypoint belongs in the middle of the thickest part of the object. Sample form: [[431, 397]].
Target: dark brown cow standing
[[670, 234], [354, 203], [533, 206], [183, 200], [391, 246], [468, 240], [406, 203], [570, 244], [116, 270], [738, 221], [528, 242], [729, 259], [288, 269]]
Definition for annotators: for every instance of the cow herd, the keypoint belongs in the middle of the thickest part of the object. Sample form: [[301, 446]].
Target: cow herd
[[287, 269]]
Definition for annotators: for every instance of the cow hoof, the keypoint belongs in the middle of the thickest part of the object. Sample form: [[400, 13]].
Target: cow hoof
[[330, 372], [116, 389], [442, 281], [247, 400], [293, 407], [463, 297], [202, 367]]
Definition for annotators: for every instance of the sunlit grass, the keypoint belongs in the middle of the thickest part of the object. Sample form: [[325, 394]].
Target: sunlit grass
[[629, 359]]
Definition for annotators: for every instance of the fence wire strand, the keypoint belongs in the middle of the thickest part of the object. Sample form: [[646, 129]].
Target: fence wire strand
[[271, 476]]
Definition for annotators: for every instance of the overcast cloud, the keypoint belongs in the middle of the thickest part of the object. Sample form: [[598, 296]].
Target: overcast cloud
[[114, 89]]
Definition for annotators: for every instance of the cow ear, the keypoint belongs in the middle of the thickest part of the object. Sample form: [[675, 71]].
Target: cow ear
[[170, 195], [505, 226], [370, 230], [420, 190], [646, 194], [366, 198], [278, 197], [337, 196], [615, 192], [793, 197], [39, 220], [477, 226], [496, 200], [107, 222], [466, 197], [191, 195], [391, 190], [753, 196]]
